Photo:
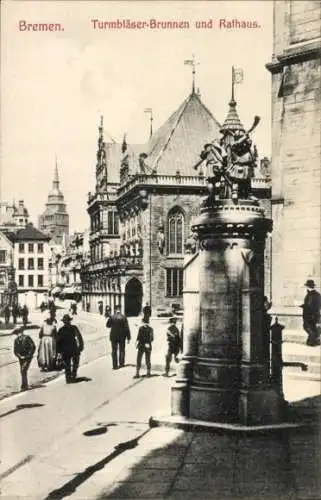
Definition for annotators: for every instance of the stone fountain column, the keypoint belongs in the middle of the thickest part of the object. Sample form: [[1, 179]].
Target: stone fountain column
[[228, 378]]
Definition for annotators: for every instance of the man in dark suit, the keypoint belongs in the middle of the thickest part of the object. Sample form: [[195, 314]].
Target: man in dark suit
[[69, 344], [119, 332], [24, 349], [147, 312], [311, 313]]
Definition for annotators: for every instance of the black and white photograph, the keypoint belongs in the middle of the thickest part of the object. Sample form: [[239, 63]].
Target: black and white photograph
[[160, 250]]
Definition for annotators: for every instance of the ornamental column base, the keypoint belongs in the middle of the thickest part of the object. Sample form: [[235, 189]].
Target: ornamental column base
[[261, 407]]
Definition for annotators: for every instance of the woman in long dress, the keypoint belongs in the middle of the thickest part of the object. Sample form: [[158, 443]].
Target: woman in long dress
[[47, 346]]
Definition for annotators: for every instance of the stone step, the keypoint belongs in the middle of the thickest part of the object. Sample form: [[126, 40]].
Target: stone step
[[304, 358], [293, 352], [294, 336], [307, 376], [312, 368]]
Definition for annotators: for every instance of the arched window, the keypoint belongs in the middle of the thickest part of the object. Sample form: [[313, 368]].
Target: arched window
[[175, 231]]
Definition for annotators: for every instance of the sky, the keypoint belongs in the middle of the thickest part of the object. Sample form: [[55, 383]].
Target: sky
[[55, 85]]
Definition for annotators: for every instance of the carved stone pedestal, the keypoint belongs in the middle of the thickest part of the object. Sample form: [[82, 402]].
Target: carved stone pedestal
[[224, 373]]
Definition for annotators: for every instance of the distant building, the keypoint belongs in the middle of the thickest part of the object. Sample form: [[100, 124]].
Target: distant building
[[13, 217], [55, 219], [74, 258], [296, 173], [145, 200], [6, 264], [31, 263]]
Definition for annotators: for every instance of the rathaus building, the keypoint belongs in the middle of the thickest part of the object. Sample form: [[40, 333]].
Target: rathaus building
[[145, 200]]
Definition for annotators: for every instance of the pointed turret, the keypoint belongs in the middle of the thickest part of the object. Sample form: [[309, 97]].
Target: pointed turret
[[232, 121], [124, 145]]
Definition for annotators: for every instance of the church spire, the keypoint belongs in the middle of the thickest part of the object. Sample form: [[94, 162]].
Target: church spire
[[101, 130], [124, 144], [101, 164], [55, 182]]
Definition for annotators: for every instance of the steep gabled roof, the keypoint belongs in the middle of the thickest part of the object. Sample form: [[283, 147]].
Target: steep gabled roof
[[29, 233], [177, 144]]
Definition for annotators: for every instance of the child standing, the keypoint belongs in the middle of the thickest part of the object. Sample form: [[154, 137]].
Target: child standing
[[144, 341], [174, 343]]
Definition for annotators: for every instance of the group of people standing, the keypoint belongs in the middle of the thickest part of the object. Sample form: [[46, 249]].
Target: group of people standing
[[57, 348], [66, 343], [15, 311], [120, 333]]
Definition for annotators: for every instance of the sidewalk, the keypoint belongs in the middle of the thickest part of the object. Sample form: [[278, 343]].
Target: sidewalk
[[171, 463]]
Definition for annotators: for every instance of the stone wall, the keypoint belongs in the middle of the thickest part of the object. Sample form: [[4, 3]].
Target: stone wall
[[296, 173]]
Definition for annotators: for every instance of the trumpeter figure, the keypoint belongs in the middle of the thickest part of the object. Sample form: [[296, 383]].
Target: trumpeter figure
[[230, 160]]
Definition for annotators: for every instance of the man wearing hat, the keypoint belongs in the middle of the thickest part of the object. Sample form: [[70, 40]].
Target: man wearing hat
[[173, 343], [24, 348], [311, 313], [119, 332], [69, 344]]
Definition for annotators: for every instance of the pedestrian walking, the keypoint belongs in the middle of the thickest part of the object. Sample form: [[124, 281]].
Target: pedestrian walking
[[43, 306], [267, 318], [24, 348], [15, 313], [312, 313], [119, 332], [101, 307], [70, 344], [173, 344], [47, 347], [24, 314], [6, 313], [73, 308], [52, 309], [107, 311], [147, 312], [144, 341]]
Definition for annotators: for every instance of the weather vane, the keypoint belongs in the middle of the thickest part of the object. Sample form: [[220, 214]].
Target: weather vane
[[192, 62], [150, 112], [237, 77]]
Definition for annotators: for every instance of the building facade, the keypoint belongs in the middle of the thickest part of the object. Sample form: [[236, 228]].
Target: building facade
[[145, 200], [6, 265], [13, 217], [55, 219], [31, 264], [73, 259], [296, 173]]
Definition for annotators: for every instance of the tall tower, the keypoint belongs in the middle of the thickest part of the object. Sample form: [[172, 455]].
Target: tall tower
[[55, 219], [296, 174]]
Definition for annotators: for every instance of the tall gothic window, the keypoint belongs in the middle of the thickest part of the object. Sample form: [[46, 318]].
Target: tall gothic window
[[113, 222], [175, 231], [174, 282]]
